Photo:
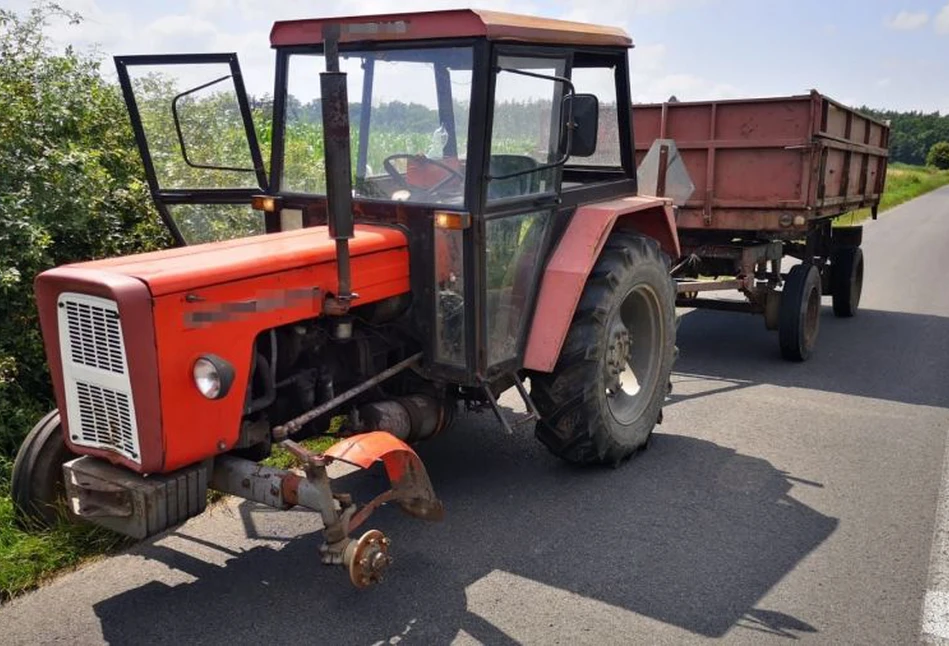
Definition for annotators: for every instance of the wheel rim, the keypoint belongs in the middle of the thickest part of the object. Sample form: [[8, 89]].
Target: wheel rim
[[633, 354]]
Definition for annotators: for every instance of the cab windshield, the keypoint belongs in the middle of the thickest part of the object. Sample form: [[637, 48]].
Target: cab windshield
[[408, 112]]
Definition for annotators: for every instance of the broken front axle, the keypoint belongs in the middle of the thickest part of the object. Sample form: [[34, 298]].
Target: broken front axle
[[140, 507]]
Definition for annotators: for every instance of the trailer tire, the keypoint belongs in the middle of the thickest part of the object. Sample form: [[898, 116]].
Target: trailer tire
[[799, 316], [38, 489], [623, 328], [846, 280]]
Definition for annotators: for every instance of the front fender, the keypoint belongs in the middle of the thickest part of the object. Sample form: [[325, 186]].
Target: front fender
[[410, 482]]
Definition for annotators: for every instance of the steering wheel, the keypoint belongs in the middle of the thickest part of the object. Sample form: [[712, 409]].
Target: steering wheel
[[453, 174]]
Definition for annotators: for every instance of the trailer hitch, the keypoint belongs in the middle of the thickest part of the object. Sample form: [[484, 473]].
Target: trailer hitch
[[366, 558]]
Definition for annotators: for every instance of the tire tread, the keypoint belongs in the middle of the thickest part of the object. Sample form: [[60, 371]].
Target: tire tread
[[570, 426]]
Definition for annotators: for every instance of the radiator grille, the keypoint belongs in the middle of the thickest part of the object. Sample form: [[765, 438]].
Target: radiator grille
[[105, 418], [95, 336], [99, 402]]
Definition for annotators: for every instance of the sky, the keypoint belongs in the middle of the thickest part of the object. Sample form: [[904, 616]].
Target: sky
[[881, 53]]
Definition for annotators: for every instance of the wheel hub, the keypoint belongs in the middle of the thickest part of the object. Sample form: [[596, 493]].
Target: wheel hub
[[368, 558], [617, 358], [633, 356]]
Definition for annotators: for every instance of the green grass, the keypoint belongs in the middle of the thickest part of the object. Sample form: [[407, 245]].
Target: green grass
[[29, 557], [280, 458], [903, 183]]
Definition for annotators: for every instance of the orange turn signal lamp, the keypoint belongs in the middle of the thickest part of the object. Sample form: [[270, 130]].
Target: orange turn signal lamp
[[265, 203], [452, 220]]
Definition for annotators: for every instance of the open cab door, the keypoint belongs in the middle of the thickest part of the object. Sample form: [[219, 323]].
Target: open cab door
[[193, 126]]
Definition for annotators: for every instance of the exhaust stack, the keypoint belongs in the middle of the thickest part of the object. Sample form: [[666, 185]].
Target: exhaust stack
[[339, 183]]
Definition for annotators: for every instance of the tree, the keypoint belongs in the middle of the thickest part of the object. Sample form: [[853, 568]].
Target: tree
[[912, 133], [939, 155], [71, 188]]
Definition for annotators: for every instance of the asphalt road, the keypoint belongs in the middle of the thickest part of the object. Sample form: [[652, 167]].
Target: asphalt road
[[776, 502]]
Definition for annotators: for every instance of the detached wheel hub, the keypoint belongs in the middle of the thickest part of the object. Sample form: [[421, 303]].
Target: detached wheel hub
[[368, 558]]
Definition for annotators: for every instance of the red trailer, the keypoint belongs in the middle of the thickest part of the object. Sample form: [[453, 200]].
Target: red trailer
[[769, 176]]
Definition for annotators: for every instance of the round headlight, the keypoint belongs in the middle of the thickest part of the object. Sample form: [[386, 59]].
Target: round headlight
[[212, 376]]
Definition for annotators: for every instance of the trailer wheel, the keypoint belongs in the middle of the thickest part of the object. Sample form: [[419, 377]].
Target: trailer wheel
[[38, 488], [606, 392], [799, 316], [846, 280]]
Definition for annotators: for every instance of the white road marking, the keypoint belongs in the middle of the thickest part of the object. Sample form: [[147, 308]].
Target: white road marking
[[935, 622]]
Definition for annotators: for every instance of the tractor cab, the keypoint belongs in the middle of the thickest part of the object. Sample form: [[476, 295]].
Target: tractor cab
[[477, 133]]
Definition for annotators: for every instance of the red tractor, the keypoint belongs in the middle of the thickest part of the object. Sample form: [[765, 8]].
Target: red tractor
[[397, 260]]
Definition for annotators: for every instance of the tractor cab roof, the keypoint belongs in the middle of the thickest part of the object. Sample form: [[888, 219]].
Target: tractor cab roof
[[458, 23]]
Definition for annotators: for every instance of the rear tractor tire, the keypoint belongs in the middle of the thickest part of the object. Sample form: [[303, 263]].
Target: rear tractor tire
[[38, 488], [605, 395]]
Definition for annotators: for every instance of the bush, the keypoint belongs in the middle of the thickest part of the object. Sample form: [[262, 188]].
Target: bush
[[71, 188], [939, 155]]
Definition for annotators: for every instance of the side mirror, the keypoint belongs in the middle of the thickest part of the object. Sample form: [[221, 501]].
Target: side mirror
[[581, 122], [581, 116]]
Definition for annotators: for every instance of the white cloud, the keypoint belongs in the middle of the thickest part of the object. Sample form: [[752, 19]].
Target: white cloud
[[183, 27], [620, 11], [254, 10], [243, 26], [210, 7], [651, 80], [98, 28], [647, 58], [884, 82], [908, 20], [941, 22], [685, 87]]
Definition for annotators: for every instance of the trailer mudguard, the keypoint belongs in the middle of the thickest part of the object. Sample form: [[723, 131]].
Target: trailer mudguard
[[573, 259]]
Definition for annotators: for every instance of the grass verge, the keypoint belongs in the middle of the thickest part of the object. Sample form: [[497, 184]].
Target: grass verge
[[28, 557], [903, 183]]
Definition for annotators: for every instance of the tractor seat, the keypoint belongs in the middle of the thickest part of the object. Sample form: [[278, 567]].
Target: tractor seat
[[515, 186]]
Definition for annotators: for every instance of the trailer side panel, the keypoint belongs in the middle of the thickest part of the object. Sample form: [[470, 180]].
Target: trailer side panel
[[769, 165]]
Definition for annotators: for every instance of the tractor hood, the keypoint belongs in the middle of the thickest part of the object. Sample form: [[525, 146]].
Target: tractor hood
[[187, 268], [122, 335]]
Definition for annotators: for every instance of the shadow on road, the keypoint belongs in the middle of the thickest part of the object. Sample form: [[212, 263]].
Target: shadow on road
[[692, 536], [893, 356]]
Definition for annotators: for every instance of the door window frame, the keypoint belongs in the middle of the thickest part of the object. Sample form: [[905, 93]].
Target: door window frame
[[485, 210], [164, 198], [519, 51], [605, 182]]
